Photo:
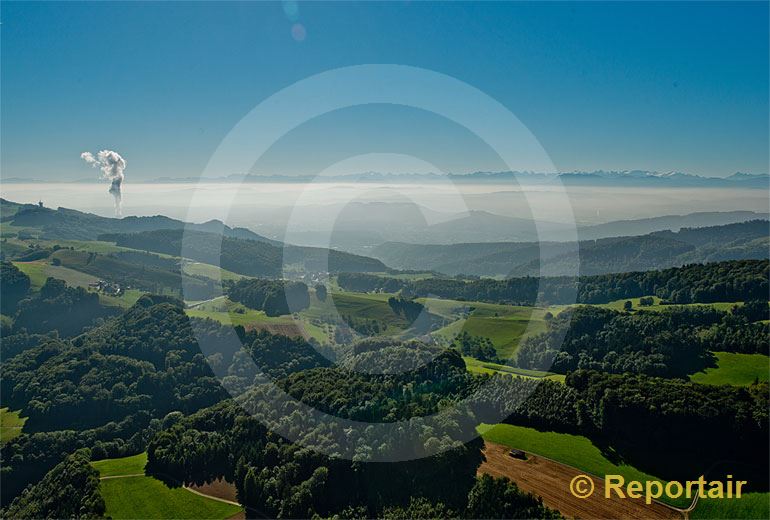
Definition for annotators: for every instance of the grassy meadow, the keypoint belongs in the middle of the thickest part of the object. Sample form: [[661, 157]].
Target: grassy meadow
[[40, 270], [484, 367], [735, 369], [504, 325], [129, 496], [11, 425], [225, 311], [123, 466], [149, 498]]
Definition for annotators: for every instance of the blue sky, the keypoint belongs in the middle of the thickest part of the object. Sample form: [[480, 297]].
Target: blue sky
[[602, 86]]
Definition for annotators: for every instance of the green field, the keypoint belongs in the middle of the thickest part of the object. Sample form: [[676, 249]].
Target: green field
[[361, 306], [618, 305], [573, 450], [40, 270], [735, 369], [149, 498], [749, 506], [226, 311], [125, 300], [210, 271], [10, 425], [146, 497], [123, 466], [504, 325], [484, 367]]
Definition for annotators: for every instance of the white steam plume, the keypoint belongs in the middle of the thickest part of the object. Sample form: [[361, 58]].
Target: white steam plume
[[112, 165]]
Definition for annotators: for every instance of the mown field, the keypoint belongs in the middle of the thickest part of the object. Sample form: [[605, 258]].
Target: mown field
[[735, 369], [504, 325], [226, 311], [40, 270], [123, 466], [573, 450], [484, 367], [11, 425], [132, 497], [210, 271], [657, 306]]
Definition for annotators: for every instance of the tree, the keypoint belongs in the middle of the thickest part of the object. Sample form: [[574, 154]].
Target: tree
[[70, 490], [320, 292], [627, 306], [500, 498], [14, 285]]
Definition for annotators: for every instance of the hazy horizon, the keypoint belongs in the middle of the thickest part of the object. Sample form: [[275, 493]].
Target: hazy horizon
[[267, 208]]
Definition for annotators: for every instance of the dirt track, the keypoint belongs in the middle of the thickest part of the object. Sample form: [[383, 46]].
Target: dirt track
[[551, 480]]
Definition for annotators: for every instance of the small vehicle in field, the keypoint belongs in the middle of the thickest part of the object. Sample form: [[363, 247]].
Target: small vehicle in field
[[517, 454]]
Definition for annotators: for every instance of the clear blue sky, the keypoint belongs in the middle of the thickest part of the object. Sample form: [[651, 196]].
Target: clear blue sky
[[602, 86]]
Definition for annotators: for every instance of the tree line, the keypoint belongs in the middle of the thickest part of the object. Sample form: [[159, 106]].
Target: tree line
[[730, 281], [274, 297], [673, 343]]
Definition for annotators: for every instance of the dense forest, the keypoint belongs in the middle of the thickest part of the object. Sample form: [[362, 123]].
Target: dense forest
[[275, 297], [14, 286], [731, 281], [103, 389], [285, 479], [69, 490], [669, 344]]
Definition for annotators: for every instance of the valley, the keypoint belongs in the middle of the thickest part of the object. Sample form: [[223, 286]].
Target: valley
[[485, 335]]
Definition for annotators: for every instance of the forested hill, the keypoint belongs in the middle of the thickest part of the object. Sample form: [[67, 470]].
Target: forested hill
[[662, 249], [248, 257], [69, 224], [732, 281]]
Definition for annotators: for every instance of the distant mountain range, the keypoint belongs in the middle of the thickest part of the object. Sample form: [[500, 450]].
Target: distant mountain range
[[661, 249], [639, 178]]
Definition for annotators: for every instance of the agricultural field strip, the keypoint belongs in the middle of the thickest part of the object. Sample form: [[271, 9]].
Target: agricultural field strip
[[628, 471], [550, 480]]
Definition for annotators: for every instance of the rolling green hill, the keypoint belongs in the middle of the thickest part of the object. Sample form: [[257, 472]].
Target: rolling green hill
[[735, 369]]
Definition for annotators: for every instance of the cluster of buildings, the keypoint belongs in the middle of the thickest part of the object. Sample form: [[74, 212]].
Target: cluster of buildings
[[110, 288]]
